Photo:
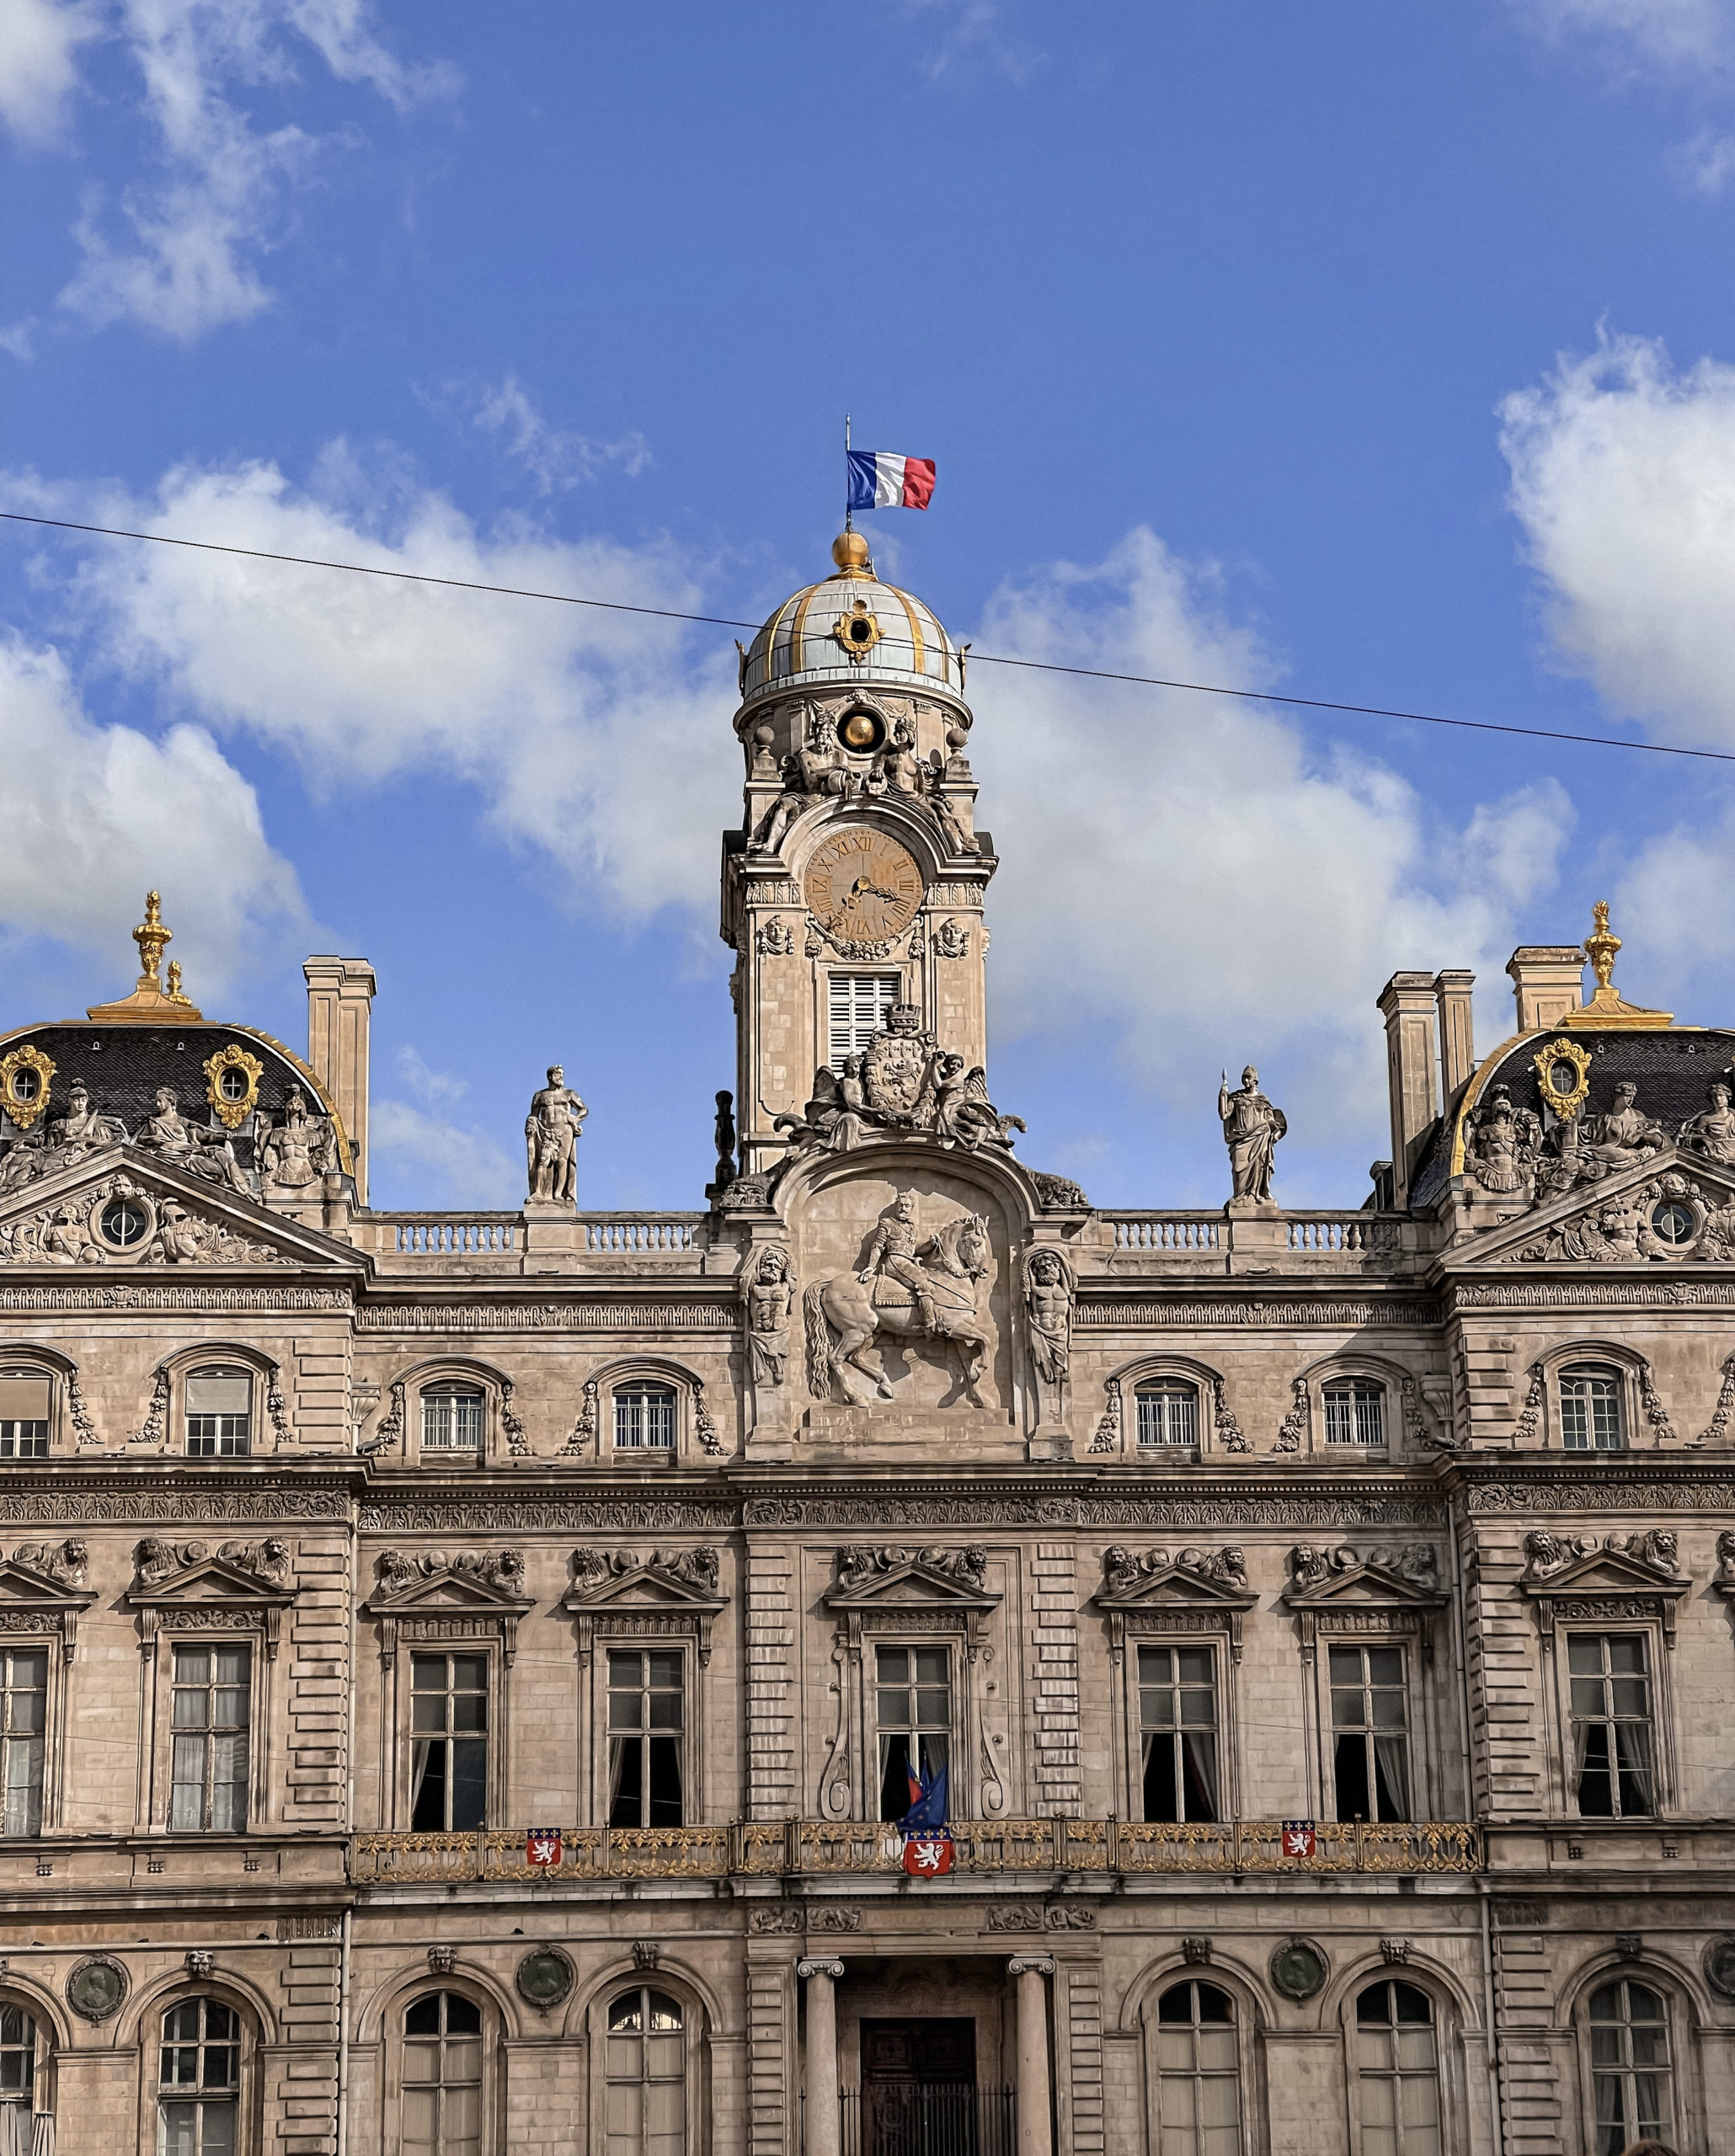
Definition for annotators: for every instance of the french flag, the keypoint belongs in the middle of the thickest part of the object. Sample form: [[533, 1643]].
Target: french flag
[[878, 481]]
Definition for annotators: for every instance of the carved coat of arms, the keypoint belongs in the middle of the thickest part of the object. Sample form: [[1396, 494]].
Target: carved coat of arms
[[895, 1062]]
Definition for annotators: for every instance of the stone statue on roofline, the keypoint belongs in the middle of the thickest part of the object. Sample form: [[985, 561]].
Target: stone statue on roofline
[[551, 1137], [1251, 1127]]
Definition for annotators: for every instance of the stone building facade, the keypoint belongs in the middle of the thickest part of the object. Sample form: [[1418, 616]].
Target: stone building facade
[[460, 1673]]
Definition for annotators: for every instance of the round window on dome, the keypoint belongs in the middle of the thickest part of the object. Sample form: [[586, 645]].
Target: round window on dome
[[861, 732]]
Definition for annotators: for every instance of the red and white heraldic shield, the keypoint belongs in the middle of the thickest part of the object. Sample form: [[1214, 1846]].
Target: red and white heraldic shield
[[1299, 1837], [543, 1849], [928, 1856]]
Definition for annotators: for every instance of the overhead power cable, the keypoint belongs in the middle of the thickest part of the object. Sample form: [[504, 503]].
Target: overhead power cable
[[976, 658]]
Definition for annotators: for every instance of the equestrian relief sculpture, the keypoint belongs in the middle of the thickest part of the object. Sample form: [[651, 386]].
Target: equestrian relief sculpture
[[930, 1288]]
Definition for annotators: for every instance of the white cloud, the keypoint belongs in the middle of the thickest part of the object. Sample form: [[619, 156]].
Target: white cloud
[[185, 261], [1623, 478], [38, 69], [597, 737], [1676, 36], [556, 459], [440, 1161], [94, 815], [1184, 880], [1707, 162]]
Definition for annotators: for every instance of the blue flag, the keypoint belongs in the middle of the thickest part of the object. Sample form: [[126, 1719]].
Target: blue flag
[[927, 1813]]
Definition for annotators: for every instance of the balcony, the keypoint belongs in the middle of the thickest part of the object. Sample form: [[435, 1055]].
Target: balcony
[[828, 1849]]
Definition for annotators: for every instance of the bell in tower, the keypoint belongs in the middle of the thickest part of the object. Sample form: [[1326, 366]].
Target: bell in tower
[[853, 894]]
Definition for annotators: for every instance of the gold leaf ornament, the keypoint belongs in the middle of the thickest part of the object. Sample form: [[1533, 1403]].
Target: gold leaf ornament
[[231, 1083], [1563, 1071], [25, 1076]]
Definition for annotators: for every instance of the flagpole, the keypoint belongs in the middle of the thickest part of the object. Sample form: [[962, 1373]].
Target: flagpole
[[848, 519]]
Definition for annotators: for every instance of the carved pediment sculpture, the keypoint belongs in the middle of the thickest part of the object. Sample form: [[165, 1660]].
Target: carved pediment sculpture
[[1344, 1589], [1631, 1575], [618, 1594], [891, 1587], [43, 1591], [1724, 1578], [430, 1596], [931, 1287], [189, 1586], [1162, 1590]]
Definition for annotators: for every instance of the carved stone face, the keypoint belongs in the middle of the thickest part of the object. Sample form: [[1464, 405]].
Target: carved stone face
[[556, 1075], [165, 1101], [1625, 1093], [1250, 1079], [1720, 1097], [904, 1210], [1045, 1268]]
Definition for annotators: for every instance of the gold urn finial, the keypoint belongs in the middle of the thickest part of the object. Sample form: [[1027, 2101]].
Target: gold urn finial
[[1607, 1008], [849, 550], [151, 935], [148, 1003]]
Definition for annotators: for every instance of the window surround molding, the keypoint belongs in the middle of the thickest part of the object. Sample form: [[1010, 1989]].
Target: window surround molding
[[399, 1428], [1409, 1422], [587, 2027], [140, 2028], [1139, 2023], [68, 1415], [500, 2030], [893, 1597], [43, 1594], [1182, 1598], [1456, 2027], [54, 2032], [1641, 1406], [1118, 1429], [1689, 2013], [164, 1425], [201, 1597], [470, 1602], [669, 1600], [593, 1437], [1378, 1597], [1626, 1583]]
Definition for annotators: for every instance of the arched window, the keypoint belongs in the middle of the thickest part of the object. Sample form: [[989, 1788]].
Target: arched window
[[1590, 1409], [442, 2076], [1167, 1411], [645, 2106], [644, 1417], [219, 1411], [199, 2079], [1198, 2073], [1629, 2067], [451, 1418], [17, 2076], [1397, 2071], [26, 1404], [1355, 1412]]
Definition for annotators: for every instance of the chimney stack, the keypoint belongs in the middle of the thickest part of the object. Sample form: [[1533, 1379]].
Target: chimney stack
[[1451, 995], [340, 994], [1407, 1003], [1547, 982]]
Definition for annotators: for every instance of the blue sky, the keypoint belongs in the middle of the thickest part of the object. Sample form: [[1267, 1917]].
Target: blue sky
[[1379, 353]]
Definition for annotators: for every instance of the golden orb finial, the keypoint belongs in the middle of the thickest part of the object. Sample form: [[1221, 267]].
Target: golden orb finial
[[849, 550]]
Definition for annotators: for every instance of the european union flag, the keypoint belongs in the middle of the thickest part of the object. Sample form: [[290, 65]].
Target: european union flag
[[927, 1811]]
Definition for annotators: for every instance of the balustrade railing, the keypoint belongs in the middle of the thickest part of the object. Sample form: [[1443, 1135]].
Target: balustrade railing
[[824, 1848], [422, 1237], [637, 1233], [1167, 1230], [1345, 1231]]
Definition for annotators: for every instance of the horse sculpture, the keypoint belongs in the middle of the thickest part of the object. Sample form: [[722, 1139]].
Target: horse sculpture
[[957, 1261]]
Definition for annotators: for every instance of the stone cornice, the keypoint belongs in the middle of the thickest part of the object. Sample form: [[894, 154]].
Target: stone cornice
[[1125, 1307], [713, 1306]]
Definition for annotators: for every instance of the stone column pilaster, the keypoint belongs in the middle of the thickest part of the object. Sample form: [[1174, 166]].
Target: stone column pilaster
[[1028, 1971], [825, 2119]]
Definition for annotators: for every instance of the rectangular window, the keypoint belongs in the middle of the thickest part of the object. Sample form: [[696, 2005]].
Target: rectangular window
[[1168, 1414], [915, 1714], [1370, 1733], [198, 2079], [1612, 1737], [644, 1418], [1590, 1410], [24, 1416], [452, 1419], [23, 1711], [1177, 1731], [213, 1699], [1354, 1414], [645, 1699], [448, 1767], [858, 1006], [219, 1414]]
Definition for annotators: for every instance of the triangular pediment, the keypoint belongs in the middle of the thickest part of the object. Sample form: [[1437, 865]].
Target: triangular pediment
[[1175, 1586], [646, 1588], [450, 1591], [1369, 1586], [188, 1223], [23, 1587], [214, 1583], [911, 1585], [1602, 1571], [1612, 1222]]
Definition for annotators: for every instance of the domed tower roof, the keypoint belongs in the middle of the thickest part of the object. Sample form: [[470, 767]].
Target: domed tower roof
[[851, 630]]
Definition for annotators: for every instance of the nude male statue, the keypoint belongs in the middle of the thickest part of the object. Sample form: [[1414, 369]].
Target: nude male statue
[[551, 1133]]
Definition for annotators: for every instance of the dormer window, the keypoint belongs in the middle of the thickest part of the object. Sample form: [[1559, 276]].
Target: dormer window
[[1355, 1412], [1590, 1409], [644, 1418], [1167, 1411], [219, 1412], [26, 1399], [452, 1418]]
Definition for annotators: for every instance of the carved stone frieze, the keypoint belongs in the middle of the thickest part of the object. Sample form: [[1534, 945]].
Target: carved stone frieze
[[1646, 1492], [528, 1515], [1417, 1562], [1124, 1570], [636, 1320], [400, 1573], [1658, 1549], [1120, 1312], [126, 1506], [86, 1230], [66, 1563], [857, 1566], [156, 1562], [1388, 1508]]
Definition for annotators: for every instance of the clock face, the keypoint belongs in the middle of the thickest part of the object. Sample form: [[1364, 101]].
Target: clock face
[[864, 886]]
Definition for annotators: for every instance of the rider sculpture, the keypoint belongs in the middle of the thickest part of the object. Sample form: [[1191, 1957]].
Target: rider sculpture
[[930, 1287]]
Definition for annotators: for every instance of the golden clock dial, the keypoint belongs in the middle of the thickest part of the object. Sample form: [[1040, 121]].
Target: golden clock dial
[[864, 886]]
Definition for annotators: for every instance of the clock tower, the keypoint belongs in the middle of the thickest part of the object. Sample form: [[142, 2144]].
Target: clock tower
[[854, 888]]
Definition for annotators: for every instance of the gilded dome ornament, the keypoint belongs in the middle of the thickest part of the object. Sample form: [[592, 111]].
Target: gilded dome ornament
[[1607, 1008], [1563, 1072], [232, 1084], [25, 1076], [149, 1004], [856, 632]]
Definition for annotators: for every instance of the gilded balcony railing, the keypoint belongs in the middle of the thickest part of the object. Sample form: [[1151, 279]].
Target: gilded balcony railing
[[826, 1847]]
